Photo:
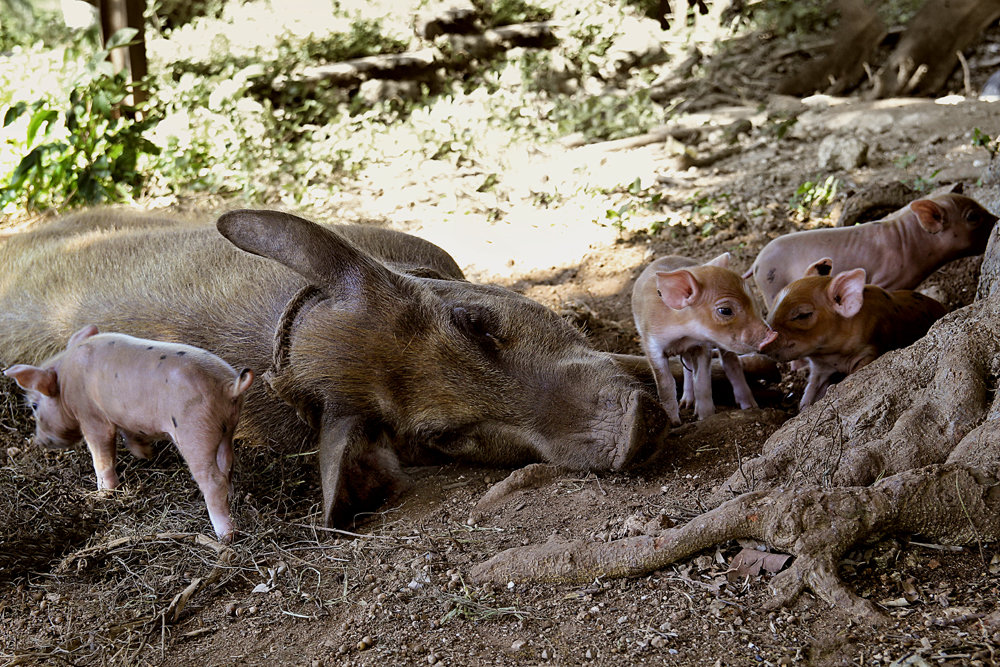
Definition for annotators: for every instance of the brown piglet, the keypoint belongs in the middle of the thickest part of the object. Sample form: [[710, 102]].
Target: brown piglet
[[683, 308], [897, 252], [105, 383], [839, 324]]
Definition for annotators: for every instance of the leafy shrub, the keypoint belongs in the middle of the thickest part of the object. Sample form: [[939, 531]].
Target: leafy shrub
[[87, 152]]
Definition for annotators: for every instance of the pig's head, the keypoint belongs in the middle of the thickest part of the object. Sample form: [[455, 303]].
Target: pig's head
[[721, 309], [55, 427], [807, 312], [958, 223], [393, 362]]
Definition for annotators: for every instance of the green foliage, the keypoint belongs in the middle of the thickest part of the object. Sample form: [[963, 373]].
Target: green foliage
[[904, 161], [507, 12], [85, 152], [21, 24], [604, 117], [982, 140], [814, 194]]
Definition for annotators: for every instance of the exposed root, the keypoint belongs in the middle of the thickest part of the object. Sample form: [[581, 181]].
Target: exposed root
[[528, 477], [949, 503]]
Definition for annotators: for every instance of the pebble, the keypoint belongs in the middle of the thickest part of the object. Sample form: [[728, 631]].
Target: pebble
[[365, 643], [517, 645]]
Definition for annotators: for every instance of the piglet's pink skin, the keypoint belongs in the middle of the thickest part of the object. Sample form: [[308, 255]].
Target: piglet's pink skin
[[896, 253], [839, 324], [107, 382], [683, 308]]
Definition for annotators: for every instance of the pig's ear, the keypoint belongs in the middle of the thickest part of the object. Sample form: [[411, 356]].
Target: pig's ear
[[722, 261], [678, 289], [319, 254], [823, 267], [82, 334], [847, 292], [32, 378], [930, 216]]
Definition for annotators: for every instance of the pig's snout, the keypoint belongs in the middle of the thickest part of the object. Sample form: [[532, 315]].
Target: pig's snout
[[771, 336], [645, 421]]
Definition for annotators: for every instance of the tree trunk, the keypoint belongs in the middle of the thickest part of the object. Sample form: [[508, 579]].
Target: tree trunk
[[927, 52]]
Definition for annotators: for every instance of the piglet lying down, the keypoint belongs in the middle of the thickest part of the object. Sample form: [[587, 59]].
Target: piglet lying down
[[103, 383]]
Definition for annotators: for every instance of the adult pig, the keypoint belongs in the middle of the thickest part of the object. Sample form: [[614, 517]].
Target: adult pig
[[105, 383], [377, 349], [896, 253]]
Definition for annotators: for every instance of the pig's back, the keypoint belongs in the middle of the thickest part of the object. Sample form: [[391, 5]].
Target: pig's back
[[142, 384]]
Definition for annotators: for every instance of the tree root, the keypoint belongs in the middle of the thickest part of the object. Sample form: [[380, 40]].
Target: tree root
[[952, 504]]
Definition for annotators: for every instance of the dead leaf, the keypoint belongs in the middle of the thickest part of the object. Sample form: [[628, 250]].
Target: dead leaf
[[933, 563], [749, 562]]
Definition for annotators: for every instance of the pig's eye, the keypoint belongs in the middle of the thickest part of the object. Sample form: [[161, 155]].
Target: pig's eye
[[475, 325], [724, 311], [34, 406], [799, 317]]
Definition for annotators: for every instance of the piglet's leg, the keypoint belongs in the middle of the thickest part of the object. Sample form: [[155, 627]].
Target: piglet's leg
[[210, 460], [734, 371], [819, 381], [687, 397], [100, 439], [666, 385], [700, 360]]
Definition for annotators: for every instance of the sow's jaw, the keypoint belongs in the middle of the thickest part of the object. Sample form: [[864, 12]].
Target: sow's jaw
[[382, 346]]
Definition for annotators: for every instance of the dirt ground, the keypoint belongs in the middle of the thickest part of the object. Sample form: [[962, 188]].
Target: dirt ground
[[89, 579]]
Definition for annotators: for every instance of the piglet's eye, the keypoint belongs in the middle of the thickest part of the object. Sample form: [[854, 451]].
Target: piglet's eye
[[724, 311], [802, 316]]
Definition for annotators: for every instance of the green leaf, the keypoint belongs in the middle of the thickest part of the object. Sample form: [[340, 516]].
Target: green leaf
[[121, 38], [41, 117], [13, 113]]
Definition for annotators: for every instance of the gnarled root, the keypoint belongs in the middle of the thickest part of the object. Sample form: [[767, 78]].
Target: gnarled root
[[952, 504]]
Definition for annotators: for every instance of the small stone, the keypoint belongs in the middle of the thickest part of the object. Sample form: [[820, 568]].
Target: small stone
[[365, 643], [231, 609], [842, 153], [432, 659], [517, 645]]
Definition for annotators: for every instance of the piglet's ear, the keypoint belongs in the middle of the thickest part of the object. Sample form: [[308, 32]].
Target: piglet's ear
[[847, 292], [823, 267], [83, 334], [722, 261], [32, 378], [929, 214], [678, 289]]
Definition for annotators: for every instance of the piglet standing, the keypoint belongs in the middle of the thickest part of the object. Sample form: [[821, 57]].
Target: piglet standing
[[683, 308], [102, 383], [839, 324], [896, 253]]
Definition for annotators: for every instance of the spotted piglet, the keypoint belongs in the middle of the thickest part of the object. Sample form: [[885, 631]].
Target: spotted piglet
[[103, 383]]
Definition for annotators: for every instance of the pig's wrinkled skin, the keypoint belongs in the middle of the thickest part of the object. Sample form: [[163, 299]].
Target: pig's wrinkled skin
[[683, 308], [110, 382], [398, 358], [896, 253], [839, 324]]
